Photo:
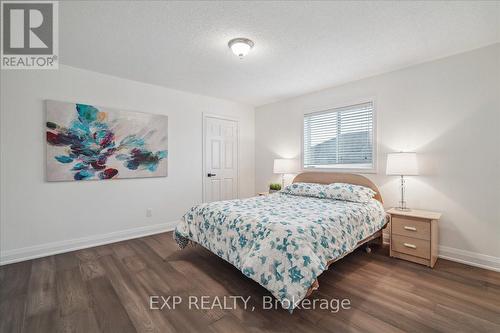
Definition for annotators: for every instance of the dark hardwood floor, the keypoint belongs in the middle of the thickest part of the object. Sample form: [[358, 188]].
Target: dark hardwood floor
[[107, 289]]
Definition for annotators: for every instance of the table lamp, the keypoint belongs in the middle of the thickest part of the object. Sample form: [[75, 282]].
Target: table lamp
[[284, 166], [402, 164]]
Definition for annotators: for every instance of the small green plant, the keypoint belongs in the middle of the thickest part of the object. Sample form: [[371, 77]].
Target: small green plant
[[275, 187]]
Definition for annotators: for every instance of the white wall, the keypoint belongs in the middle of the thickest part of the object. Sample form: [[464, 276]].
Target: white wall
[[449, 112], [39, 217]]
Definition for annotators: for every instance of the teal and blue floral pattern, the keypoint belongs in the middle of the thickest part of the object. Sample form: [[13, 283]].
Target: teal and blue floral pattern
[[307, 190], [337, 191], [282, 241], [349, 192]]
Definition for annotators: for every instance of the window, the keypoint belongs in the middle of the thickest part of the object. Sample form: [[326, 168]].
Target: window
[[340, 138]]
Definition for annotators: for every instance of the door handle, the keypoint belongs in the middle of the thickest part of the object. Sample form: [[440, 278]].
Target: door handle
[[410, 228], [211, 174], [411, 246]]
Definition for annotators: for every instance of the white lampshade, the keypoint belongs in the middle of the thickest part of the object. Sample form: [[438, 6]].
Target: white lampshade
[[283, 165], [402, 164]]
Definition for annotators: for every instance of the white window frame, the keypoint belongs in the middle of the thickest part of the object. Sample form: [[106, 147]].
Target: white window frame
[[326, 109]]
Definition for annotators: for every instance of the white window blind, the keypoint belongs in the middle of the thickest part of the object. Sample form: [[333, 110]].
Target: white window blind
[[340, 138]]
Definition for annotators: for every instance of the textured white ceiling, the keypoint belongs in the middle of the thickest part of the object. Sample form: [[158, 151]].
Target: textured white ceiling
[[300, 46]]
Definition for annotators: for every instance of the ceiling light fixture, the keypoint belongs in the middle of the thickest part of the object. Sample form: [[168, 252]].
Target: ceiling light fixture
[[240, 46]]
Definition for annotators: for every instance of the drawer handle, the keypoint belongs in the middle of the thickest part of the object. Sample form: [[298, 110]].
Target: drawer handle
[[411, 246], [410, 228]]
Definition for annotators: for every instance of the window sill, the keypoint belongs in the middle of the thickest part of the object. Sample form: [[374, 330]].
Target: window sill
[[342, 170]]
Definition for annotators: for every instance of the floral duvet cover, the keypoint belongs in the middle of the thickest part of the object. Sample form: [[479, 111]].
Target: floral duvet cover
[[282, 241]]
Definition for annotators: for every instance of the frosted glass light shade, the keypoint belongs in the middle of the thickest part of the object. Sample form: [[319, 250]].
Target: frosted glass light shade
[[283, 165], [240, 46], [402, 164]]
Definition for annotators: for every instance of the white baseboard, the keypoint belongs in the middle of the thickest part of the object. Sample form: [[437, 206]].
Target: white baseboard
[[38, 251], [48, 249], [470, 258]]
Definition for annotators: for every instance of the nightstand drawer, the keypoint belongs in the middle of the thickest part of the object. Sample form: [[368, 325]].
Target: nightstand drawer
[[412, 246], [411, 227]]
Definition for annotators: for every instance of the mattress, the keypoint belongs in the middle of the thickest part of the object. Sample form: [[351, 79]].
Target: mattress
[[281, 241]]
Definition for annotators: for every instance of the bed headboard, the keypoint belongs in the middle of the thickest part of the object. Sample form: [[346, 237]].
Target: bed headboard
[[337, 177]]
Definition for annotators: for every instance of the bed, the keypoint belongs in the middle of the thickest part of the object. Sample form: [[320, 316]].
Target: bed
[[285, 240]]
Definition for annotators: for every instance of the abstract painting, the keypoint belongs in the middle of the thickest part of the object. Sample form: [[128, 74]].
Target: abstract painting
[[86, 142]]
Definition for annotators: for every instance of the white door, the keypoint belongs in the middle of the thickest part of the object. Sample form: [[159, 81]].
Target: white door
[[221, 159]]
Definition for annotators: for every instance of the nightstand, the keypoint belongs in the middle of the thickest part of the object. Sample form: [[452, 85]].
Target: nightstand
[[414, 235]]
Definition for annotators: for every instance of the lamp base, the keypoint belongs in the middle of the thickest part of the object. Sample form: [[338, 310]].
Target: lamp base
[[403, 209]]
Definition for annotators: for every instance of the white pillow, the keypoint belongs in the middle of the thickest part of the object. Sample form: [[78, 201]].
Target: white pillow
[[349, 192], [336, 191], [306, 190]]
